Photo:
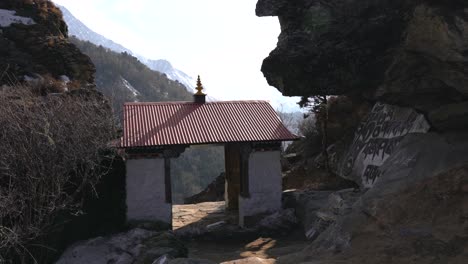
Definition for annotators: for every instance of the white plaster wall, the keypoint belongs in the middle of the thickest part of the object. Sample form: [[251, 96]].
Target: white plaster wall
[[265, 185], [146, 192]]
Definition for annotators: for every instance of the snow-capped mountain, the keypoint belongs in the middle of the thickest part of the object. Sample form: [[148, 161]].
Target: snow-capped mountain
[[81, 31]]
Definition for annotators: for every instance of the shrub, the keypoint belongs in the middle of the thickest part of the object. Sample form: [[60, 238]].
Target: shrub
[[51, 152]]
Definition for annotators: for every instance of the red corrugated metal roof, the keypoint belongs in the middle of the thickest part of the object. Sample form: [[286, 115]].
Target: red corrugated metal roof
[[187, 123]]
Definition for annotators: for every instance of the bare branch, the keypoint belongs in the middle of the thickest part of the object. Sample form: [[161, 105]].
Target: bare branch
[[51, 152]]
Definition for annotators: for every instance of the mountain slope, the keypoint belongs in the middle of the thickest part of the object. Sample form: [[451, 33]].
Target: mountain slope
[[172, 73], [123, 78], [81, 31]]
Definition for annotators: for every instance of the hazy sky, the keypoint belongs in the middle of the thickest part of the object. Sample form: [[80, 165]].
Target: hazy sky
[[221, 40]]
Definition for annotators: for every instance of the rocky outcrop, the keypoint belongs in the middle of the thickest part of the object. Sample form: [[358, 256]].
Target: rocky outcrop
[[394, 143], [317, 210], [419, 222], [413, 193], [406, 53], [39, 47], [336, 46], [408, 60], [403, 157], [134, 246]]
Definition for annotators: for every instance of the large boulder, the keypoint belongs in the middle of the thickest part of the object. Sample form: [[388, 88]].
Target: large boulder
[[420, 222], [334, 47], [430, 69], [414, 210], [419, 158], [36, 44], [410, 155], [317, 210], [306, 205], [134, 246], [375, 140], [163, 244]]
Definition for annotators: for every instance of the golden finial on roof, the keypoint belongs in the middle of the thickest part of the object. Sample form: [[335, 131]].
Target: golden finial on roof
[[199, 87]]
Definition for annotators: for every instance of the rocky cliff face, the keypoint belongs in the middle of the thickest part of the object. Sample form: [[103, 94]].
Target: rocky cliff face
[[47, 84], [408, 60], [33, 41], [401, 52]]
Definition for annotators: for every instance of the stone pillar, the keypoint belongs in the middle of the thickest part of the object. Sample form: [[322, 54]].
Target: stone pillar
[[261, 185], [146, 186], [232, 168]]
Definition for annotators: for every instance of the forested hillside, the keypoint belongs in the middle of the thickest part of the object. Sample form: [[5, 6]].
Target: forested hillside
[[123, 78]]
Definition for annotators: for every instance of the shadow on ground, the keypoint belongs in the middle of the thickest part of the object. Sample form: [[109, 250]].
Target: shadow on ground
[[211, 233]]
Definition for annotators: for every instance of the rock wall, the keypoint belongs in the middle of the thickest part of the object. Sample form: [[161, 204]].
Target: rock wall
[[399, 52], [407, 58], [137, 246], [419, 222], [39, 48], [418, 158]]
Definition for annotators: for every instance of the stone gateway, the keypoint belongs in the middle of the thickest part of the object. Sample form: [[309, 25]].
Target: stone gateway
[[155, 133]]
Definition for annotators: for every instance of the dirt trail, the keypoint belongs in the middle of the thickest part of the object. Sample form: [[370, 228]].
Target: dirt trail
[[194, 218], [237, 248]]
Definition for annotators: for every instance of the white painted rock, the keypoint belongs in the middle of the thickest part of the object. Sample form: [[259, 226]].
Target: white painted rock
[[375, 141]]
